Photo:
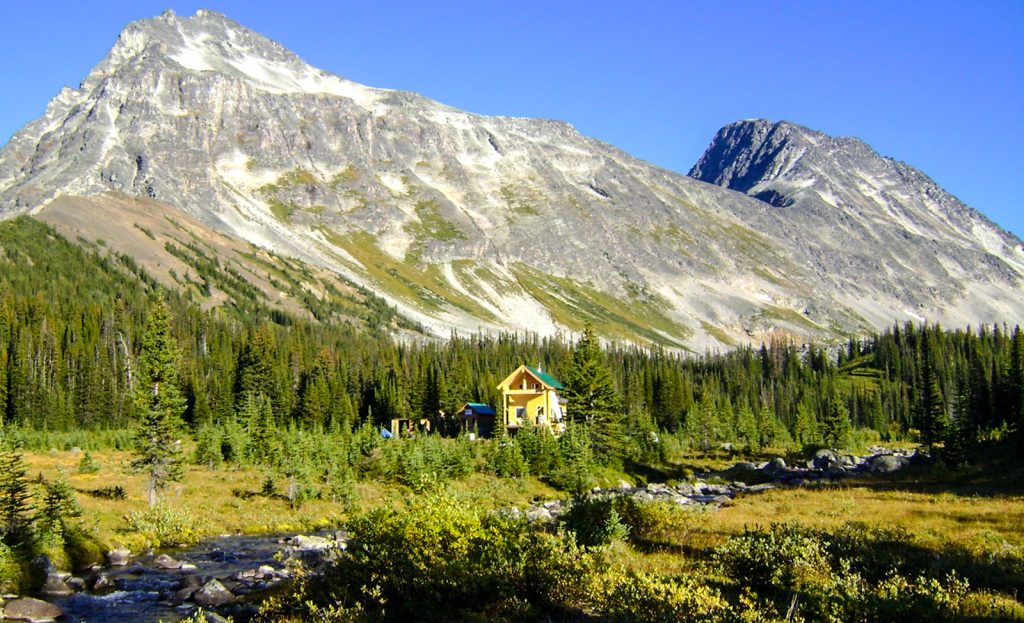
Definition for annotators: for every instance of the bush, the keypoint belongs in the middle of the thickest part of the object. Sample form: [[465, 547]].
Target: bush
[[854, 574], [442, 559], [10, 571], [162, 526], [646, 598], [657, 523], [782, 558], [594, 521]]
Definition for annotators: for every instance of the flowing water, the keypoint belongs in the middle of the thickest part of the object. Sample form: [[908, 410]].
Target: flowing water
[[144, 591]]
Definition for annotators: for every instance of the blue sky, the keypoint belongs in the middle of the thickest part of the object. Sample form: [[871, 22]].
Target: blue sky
[[939, 85]]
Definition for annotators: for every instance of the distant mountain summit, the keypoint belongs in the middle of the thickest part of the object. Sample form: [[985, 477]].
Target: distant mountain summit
[[467, 222], [900, 231]]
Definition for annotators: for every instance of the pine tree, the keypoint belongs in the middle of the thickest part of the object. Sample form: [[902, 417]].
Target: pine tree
[[258, 415], [805, 426], [15, 498], [931, 408], [59, 505], [3, 381], [701, 421], [835, 426], [1016, 382], [208, 450], [960, 434], [575, 459], [592, 397], [508, 460], [160, 404], [746, 427]]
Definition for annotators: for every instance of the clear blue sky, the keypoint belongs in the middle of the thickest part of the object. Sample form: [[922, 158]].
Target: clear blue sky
[[939, 85]]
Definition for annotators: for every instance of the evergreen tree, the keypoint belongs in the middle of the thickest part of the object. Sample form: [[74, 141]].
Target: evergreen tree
[[931, 416], [258, 414], [746, 427], [701, 421], [508, 461], [15, 497], [59, 505], [805, 426], [575, 460], [160, 404], [835, 426], [3, 380], [960, 434], [208, 450], [1016, 383], [592, 397]]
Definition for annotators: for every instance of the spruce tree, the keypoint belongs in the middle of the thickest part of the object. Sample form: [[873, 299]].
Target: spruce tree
[[262, 443], [160, 405], [592, 397], [15, 497], [931, 408], [59, 505], [835, 426], [746, 427], [701, 421], [1016, 383], [805, 426]]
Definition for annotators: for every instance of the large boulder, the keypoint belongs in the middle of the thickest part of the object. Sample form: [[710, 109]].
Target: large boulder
[[776, 468], [213, 595], [33, 610], [163, 561], [118, 557], [825, 459], [100, 582], [306, 543], [55, 586], [885, 463]]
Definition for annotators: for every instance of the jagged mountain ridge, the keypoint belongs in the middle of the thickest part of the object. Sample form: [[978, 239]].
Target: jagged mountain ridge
[[919, 243], [463, 221]]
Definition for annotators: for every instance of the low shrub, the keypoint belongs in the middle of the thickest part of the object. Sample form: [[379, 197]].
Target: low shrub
[[10, 571], [594, 520], [442, 559], [647, 598], [856, 573], [658, 524], [163, 526]]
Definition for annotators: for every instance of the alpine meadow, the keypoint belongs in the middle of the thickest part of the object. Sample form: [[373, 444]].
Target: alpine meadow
[[277, 346]]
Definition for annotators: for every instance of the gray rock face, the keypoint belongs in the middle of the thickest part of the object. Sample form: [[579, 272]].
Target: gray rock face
[[493, 215], [872, 225]]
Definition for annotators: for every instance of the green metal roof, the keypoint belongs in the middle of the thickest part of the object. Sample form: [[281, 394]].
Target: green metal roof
[[547, 378]]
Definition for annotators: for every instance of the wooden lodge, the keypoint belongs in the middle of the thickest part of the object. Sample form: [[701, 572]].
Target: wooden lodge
[[530, 399]]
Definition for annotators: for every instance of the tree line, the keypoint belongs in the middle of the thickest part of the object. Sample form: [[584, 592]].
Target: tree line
[[73, 327]]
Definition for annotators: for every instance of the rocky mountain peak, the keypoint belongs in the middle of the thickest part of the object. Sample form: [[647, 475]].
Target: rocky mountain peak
[[209, 42], [465, 221]]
